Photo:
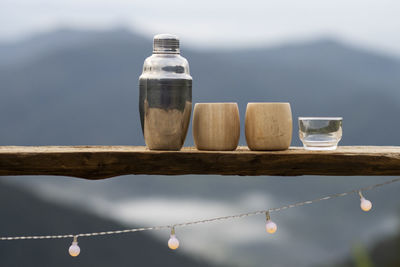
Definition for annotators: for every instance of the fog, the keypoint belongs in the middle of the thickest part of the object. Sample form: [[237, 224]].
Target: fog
[[208, 24]]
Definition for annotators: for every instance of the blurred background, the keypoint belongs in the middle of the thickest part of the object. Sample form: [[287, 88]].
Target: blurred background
[[69, 76]]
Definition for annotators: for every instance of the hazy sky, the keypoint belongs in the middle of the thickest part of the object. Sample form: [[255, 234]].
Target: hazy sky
[[208, 23]]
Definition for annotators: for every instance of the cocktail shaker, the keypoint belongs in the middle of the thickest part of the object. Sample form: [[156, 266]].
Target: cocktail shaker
[[165, 97]]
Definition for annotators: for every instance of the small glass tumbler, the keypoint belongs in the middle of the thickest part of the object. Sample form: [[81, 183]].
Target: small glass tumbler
[[320, 133]]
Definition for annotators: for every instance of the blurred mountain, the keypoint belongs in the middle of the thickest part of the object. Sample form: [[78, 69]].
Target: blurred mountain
[[14, 53], [81, 88], [383, 253], [386, 252], [42, 218], [76, 88]]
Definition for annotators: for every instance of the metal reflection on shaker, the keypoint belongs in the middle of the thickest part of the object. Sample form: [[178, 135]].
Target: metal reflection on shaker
[[165, 97]]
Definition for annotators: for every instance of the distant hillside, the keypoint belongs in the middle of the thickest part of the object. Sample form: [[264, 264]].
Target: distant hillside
[[383, 253], [24, 214], [81, 87], [39, 45], [386, 252], [71, 87]]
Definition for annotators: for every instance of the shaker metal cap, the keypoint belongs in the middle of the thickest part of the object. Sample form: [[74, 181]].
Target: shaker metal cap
[[165, 44]]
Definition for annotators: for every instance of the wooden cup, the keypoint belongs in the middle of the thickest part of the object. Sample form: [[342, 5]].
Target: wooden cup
[[268, 126], [216, 126]]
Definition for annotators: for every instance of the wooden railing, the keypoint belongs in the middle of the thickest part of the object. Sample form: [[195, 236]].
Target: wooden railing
[[99, 162]]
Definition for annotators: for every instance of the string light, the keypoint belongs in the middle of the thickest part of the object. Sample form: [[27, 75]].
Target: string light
[[270, 226], [173, 242], [365, 204], [74, 249]]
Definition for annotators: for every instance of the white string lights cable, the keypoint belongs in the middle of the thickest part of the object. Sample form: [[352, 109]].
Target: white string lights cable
[[173, 242]]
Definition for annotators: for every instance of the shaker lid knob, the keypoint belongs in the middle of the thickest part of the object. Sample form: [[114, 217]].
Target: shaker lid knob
[[165, 44]]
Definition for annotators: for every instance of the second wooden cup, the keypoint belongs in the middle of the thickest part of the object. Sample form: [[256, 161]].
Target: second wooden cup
[[268, 126], [216, 126]]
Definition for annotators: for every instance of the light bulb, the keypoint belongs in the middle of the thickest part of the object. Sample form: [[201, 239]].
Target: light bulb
[[74, 249], [271, 227], [173, 242], [365, 204]]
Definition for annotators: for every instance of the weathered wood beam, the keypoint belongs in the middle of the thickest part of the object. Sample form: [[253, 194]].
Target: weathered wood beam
[[99, 162]]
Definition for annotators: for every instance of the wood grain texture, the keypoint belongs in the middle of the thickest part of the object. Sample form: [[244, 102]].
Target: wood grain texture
[[99, 162], [268, 126], [216, 126]]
